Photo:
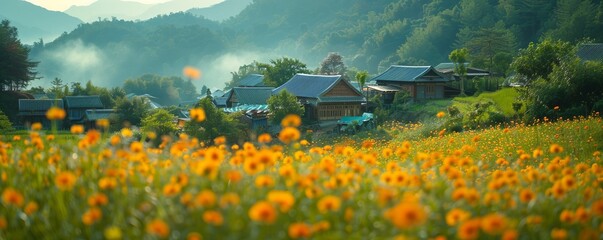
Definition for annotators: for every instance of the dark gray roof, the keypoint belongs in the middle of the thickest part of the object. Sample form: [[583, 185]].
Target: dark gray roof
[[590, 52], [397, 73], [38, 105], [220, 102], [447, 66], [252, 95], [252, 80], [83, 102], [96, 114], [309, 86]]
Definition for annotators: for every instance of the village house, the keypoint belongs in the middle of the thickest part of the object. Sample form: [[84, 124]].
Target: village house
[[422, 82], [325, 97], [248, 96], [77, 105], [34, 111], [252, 80]]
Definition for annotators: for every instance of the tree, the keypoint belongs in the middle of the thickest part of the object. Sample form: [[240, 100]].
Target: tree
[[283, 104], [161, 122], [216, 124], [281, 70], [5, 123], [361, 79], [332, 65], [131, 112], [16, 71], [487, 43], [459, 57], [538, 60], [57, 88]]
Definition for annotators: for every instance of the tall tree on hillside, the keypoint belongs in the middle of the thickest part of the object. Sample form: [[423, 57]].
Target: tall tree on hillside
[[459, 58], [332, 65], [538, 60], [488, 46], [16, 71], [280, 70]]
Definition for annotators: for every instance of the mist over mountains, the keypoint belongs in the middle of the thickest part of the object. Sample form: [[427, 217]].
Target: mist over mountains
[[370, 34]]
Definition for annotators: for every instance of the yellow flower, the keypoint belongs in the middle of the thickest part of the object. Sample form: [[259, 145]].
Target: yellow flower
[[112, 233], [264, 138], [197, 114], [102, 123], [126, 132], [407, 215], [291, 120], [65, 180], [262, 211], [456, 216], [300, 230], [158, 228], [283, 199], [264, 181], [55, 113], [77, 129], [288, 135], [11, 196], [329, 203]]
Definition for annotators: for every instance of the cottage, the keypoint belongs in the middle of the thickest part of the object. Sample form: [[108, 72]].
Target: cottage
[[248, 96], [325, 97], [448, 70], [77, 106], [422, 82], [34, 110]]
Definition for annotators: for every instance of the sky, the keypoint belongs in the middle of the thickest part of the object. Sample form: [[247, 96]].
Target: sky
[[62, 5]]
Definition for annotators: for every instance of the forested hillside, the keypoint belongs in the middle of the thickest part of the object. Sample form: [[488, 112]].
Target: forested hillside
[[370, 34]]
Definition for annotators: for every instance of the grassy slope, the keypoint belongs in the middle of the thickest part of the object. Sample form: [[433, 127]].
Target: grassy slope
[[503, 100]]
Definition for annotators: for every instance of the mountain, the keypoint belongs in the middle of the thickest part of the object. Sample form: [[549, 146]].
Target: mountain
[[34, 22], [221, 11], [108, 9], [174, 6]]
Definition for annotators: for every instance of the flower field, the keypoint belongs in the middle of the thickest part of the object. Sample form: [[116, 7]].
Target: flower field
[[516, 182]]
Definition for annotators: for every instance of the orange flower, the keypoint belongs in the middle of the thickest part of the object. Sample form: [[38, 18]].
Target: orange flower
[[98, 199], [264, 181], [65, 180], [191, 72], [597, 207], [252, 166], [107, 183], [3, 222], [11, 196], [264, 138], [456, 216], [262, 211], [407, 215], [229, 199], [194, 236], [288, 135], [300, 230], [92, 216], [77, 129], [36, 126], [558, 233], [213, 217], [205, 198], [55, 113], [197, 114], [102, 123], [283, 199], [441, 114], [526, 195], [291, 120], [469, 229], [159, 228], [31, 208], [555, 148], [329, 203], [567, 216], [171, 189], [494, 224]]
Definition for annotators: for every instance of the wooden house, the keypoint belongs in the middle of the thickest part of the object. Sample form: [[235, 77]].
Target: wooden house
[[422, 82], [77, 105], [252, 80], [248, 96], [34, 111], [325, 97]]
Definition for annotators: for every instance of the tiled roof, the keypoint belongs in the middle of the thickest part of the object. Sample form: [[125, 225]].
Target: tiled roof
[[591, 52], [96, 114], [83, 102], [252, 95], [38, 105], [309, 86], [397, 73], [252, 80]]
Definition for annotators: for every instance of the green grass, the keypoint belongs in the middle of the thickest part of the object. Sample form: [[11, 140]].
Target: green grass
[[503, 100]]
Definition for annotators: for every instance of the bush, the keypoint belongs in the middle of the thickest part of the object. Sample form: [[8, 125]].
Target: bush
[[5, 124]]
